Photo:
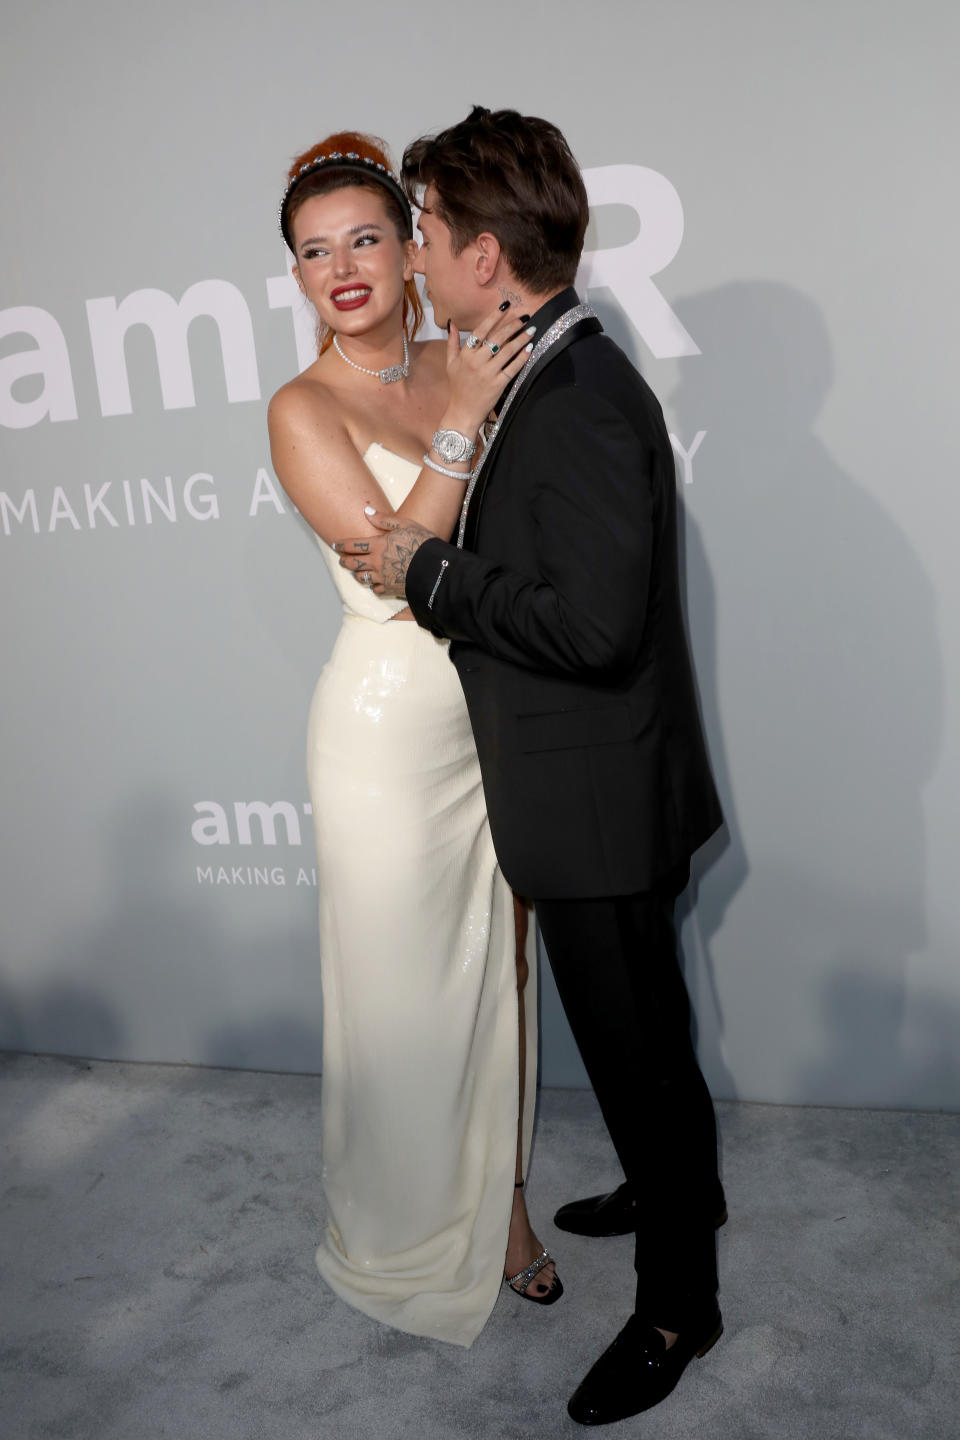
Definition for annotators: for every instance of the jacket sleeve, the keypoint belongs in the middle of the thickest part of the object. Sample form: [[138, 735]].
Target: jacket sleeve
[[592, 480]]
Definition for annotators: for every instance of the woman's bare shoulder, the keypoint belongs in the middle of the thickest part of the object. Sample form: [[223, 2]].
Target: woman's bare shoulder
[[303, 400]]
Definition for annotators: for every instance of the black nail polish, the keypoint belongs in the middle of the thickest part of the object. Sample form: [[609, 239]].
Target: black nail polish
[[505, 305], [524, 319]]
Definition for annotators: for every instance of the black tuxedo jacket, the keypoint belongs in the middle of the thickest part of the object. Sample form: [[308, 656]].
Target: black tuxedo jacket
[[563, 609]]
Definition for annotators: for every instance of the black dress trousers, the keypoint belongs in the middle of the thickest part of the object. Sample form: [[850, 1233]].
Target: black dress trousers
[[616, 967]]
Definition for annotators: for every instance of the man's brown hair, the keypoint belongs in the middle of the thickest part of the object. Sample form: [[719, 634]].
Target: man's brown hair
[[514, 176]]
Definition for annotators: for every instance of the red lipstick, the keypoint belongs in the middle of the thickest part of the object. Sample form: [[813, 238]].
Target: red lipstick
[[353, 296]]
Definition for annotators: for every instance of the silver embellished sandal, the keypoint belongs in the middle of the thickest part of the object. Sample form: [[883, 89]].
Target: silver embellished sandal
[[521, 1282]]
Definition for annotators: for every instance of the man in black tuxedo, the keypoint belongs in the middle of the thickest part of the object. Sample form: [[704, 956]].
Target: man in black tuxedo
[[560, 596]]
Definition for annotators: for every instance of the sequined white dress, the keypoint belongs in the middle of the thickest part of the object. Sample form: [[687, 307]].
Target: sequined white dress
[[420, 1037]]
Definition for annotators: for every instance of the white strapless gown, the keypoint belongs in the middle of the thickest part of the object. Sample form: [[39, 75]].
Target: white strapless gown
[[420, 1036]]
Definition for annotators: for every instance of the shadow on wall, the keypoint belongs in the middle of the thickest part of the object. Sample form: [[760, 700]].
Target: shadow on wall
[[181, 987], [814, 628], [864, 1017], [701, 908], [55, 1018]]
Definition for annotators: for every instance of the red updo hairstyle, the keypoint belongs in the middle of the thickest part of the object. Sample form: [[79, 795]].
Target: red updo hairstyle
[[326, 179]]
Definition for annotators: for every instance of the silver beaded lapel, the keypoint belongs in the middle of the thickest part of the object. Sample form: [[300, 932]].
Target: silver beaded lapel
[[559, 327]]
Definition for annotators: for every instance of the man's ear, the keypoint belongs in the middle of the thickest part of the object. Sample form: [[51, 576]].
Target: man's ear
[[487, 258]]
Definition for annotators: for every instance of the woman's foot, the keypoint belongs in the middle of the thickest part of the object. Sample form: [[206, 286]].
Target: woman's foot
[[524, 1251]]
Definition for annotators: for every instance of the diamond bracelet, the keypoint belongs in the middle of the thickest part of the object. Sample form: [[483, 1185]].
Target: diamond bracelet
[[442, 470]]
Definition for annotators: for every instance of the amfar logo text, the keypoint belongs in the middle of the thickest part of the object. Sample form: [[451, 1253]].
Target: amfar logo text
[[250, 822], [627, 270]]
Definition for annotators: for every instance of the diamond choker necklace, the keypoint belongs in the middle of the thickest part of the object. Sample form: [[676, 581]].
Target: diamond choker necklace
[[389, 374]]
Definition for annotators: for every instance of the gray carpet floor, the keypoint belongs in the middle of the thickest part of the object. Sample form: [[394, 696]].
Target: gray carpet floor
[[157, 1228]]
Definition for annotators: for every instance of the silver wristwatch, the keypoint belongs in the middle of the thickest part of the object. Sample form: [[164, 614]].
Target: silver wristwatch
[[452, 447]]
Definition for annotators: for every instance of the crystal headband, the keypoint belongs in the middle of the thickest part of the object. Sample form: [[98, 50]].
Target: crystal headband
[[360, 165]]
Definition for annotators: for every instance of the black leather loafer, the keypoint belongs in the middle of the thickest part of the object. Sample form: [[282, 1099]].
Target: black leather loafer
[[599, 1215], [637, 1371], [613, 1214]]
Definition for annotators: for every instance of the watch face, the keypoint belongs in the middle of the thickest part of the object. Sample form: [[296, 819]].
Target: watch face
[[451, 446]]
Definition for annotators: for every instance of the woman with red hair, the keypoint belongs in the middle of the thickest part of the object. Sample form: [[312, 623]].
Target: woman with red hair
[[425, 1066]]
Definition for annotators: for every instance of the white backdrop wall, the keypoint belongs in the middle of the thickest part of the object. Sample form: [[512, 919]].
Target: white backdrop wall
[[774, 242]]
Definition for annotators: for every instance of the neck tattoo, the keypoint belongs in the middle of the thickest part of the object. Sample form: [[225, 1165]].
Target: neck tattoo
[[388, 374]]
